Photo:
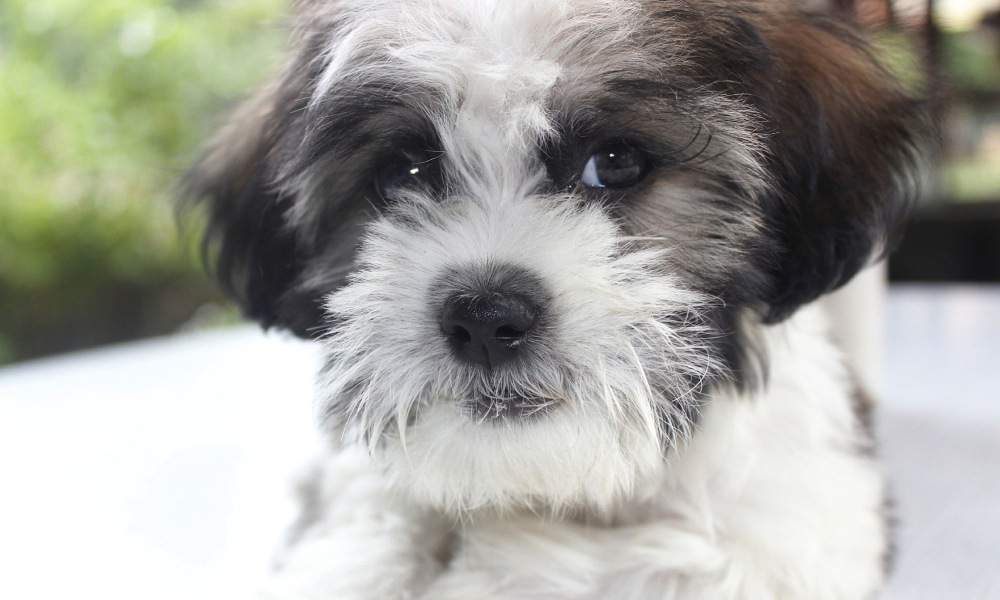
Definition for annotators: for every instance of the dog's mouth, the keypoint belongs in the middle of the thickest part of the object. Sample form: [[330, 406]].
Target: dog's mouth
[[507, 404]]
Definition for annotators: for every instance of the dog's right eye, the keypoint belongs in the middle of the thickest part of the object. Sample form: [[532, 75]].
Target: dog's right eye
[[406, 171]]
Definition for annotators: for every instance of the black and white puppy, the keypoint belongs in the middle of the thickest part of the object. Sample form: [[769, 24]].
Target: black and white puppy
[[557, 254]]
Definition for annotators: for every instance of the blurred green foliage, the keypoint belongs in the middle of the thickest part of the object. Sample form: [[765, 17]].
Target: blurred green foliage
[[970, 59], [972, 64], [101, 106]]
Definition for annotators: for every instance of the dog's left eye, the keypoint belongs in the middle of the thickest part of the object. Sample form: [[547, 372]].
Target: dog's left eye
[[615, 166], [406, 171]]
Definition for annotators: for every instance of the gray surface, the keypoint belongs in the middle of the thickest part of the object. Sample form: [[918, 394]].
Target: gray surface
[[940, 424], [160, 469], [151, 471]]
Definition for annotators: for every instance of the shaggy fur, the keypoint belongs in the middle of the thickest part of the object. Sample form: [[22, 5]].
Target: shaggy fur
[[655, 188]]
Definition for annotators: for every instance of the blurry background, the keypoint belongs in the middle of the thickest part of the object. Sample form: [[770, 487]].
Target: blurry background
[[103, 103]]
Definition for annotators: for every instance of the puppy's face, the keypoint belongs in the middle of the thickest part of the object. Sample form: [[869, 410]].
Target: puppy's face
[[530, 235]]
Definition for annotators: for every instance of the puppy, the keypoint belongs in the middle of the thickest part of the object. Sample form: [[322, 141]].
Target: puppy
[[560, 255]]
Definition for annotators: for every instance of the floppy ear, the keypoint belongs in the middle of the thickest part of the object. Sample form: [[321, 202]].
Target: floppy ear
[[843, 154], [249, 247]]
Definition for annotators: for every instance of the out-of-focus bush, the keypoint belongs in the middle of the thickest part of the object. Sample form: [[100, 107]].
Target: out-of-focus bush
[[972, 64], [102, 104]]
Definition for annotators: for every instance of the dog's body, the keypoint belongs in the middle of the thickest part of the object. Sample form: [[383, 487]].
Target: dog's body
[[555, 252]]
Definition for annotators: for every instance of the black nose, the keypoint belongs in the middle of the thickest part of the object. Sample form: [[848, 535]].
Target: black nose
[[488, 330]]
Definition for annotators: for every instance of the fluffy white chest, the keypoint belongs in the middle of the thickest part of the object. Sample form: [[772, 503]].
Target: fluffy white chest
[[771, 498]]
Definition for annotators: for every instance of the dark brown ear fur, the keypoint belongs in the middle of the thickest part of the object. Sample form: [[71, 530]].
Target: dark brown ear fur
[[252, 252], [845, 148]]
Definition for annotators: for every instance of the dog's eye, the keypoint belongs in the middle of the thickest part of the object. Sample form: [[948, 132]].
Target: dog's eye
[[615, 166], [405, 171]]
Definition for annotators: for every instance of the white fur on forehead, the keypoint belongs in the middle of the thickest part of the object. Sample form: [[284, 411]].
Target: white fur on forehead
[[494, 58], [443, 38]]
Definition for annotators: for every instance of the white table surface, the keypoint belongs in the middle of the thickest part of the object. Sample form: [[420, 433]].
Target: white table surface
[[162, 469]]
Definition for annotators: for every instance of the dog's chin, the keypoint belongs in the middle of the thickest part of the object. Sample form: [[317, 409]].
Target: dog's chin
[[533, 454], [506, 405]]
